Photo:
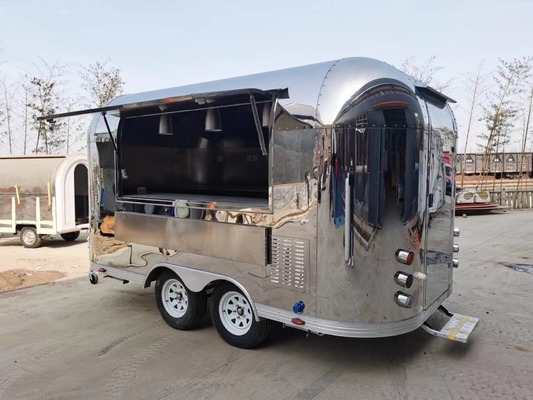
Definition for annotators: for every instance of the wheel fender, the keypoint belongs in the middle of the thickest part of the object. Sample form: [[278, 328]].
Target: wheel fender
[[196, 280]]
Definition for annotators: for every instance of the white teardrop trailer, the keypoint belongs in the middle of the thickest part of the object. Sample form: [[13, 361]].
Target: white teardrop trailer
[[313, 196], [44, 195]]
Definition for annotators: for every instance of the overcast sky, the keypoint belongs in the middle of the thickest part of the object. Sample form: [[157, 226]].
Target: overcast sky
[[169, 43]]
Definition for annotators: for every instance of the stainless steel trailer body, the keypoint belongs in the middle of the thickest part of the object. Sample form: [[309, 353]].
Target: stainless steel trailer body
[[313, 196], [42, 195]]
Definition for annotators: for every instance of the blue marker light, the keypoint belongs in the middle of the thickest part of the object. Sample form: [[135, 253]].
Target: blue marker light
[[298, 307]]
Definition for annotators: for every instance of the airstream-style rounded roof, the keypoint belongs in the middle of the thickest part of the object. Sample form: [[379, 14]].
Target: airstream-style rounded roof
[[326, 86], [31, 173]]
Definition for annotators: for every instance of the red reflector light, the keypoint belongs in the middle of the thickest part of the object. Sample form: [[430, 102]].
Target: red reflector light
[[403, 279], [101, 270], [405, 257], [297, 321]]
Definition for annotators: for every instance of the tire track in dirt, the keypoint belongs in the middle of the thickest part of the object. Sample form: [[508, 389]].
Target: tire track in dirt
[[21, 370], [319, 385], [122, 376]]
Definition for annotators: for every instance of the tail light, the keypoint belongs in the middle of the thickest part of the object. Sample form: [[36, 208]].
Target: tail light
[[405, 257], [403, 279], [403, 300]]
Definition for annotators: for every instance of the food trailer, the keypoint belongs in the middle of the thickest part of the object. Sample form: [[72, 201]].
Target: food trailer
[[314, 197], [44, 195]]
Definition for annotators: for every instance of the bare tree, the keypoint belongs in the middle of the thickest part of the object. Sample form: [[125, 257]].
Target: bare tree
[[101, 82], [3, 117], [68, 126], [25, 123], [74, 127], [527, 121], [8, 111], [475, 86], [500, 115], [21, 97], [425, 72], [2, 122]]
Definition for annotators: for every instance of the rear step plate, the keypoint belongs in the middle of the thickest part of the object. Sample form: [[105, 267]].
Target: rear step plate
[[458, 328]]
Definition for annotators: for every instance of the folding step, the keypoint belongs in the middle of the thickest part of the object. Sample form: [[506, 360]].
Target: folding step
[[455, 327]]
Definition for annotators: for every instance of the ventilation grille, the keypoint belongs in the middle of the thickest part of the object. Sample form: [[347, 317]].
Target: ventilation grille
[[290, 263]]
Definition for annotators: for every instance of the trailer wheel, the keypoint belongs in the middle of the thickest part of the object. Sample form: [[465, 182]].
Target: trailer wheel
[[70, 237], [29, 237], [180, 307], [93, 278], [233, 317]]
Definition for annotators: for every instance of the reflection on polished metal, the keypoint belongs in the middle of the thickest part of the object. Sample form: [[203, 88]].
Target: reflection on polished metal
[[165, 122], [456, 232], [403, 279], [357, 168], [242, 243], [266, 113], [347, 226], [213, 122], [405, 257], [165, 125], [403, 300], [456, 248], [456, 263]]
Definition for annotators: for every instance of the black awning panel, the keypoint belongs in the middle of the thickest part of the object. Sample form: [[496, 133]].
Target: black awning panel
[[197, 97], [433, 93]]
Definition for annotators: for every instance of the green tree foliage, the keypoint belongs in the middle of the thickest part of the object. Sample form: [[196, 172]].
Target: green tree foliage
[[503, 106], [44, 99], [102, 83]]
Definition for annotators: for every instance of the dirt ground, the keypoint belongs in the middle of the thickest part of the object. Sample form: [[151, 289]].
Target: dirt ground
[[54, 260], [19, 278], [73, 340]]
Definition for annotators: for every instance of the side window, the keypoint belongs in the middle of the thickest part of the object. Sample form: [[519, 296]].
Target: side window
[[338, 146], [361, 143], [346, 146]]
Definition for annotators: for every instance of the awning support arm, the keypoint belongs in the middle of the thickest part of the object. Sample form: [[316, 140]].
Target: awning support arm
[[258, 125], [109, 132]]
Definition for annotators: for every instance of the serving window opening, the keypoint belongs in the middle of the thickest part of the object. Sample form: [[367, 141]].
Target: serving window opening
[[212, 154]]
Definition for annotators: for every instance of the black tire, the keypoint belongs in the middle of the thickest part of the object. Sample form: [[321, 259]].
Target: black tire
[[29, 237], [257, 332], [70, 237], [196, 303], [93, 278]]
